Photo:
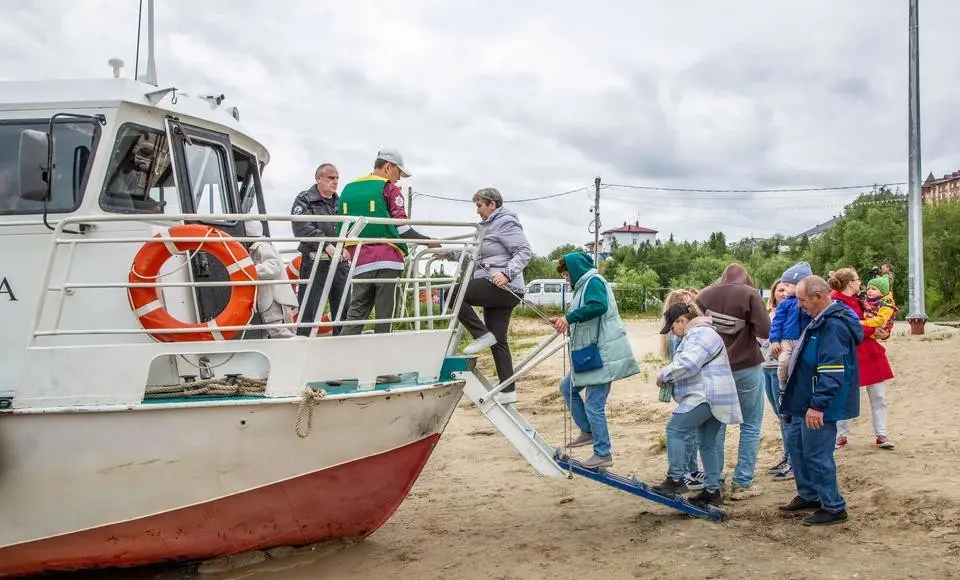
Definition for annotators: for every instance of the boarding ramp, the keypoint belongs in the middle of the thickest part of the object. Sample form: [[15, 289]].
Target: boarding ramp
[[546, 459]]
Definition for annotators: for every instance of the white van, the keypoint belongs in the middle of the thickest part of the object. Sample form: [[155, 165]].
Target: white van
[[549, 292]]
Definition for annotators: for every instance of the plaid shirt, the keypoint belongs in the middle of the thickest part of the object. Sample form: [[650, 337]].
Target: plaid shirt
[[696, 377]]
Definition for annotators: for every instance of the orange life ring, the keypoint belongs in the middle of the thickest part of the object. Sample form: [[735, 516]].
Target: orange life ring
[[145, 302], [293, 270]]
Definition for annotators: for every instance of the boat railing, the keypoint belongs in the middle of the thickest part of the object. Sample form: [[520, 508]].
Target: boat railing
[[69, 249]]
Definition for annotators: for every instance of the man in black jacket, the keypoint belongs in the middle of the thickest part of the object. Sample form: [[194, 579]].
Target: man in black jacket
[[320, 199]]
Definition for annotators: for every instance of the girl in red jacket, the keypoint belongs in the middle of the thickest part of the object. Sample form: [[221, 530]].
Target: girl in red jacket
[[871, 357]]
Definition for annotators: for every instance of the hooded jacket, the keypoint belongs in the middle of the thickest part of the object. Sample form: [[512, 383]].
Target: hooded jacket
[[596, 319], [824, 372], [735, 296], [504, 248]]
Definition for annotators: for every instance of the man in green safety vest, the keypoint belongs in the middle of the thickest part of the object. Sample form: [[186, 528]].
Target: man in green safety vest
[[377, 195]]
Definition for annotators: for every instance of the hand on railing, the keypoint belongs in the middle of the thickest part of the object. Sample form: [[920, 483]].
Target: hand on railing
[[344, 255]]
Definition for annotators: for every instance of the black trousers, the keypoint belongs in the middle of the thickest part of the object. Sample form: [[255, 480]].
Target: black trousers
[[498, 305], [337, 295]]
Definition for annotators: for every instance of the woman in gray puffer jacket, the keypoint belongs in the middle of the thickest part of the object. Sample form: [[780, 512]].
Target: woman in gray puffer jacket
[[504, 253]]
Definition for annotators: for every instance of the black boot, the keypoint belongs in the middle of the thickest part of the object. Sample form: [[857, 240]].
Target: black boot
[[798, 504], [708, 499], [822, 517], [671, 486]]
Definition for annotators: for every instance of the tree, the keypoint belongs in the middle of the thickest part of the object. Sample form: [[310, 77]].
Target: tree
[[561, 251], [941, 228], [634, 287], [717, 243], [540, 267]]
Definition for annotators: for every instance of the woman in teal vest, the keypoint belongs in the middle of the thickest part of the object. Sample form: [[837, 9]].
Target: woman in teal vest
[[600, 353]]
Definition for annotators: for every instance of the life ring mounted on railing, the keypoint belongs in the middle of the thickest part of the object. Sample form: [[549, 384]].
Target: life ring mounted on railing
[[293, 270], [145, 301]]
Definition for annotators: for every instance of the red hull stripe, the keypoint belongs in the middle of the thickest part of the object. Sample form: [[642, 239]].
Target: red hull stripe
[[346, 501]]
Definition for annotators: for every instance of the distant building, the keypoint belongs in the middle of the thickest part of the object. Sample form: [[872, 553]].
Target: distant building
[[817, 230], [938, 189], [630, 235], [588, 248]]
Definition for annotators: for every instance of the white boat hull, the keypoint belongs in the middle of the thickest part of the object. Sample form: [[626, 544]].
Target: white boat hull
[[171, 482]]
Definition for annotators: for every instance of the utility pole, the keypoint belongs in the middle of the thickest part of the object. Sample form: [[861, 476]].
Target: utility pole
[[409, 201], [916, 316], [596, 223]]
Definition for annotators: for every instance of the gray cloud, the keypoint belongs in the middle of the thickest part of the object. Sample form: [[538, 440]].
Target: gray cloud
[[541, 97]]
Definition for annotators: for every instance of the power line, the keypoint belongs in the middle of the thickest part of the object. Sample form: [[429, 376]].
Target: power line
[[528, 199], [839, 189], [773, 190]]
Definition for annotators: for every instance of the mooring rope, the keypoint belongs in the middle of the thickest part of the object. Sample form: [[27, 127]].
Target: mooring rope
[[240, 386], [310, 399]]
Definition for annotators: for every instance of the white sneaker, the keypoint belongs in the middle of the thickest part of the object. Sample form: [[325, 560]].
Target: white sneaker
[[482, 343], [506, 398]]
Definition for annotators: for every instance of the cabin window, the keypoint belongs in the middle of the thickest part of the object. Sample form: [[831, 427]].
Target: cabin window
[[533, 289], [552, 288], [207, 177], [248, 184], [140, 175], [74, 144]]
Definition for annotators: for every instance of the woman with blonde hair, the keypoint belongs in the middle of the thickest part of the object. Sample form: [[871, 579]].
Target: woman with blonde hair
[[669, 342], [771, 383], [694, 476]]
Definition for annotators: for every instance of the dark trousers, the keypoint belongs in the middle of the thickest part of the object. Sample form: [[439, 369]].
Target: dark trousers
[[366, 297], [498, 305], [338, 292]]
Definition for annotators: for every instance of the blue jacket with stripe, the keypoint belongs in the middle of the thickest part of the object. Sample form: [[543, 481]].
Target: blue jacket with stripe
[[823, 371]]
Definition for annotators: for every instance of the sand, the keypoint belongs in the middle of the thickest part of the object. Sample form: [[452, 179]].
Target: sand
[[479, 511]]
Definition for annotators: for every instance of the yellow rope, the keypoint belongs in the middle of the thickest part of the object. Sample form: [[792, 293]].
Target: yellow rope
[[310, 399]]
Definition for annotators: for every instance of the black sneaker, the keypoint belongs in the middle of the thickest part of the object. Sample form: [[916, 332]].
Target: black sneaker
[[822, 517], [671, 486], [708, 499], [798, 504], [778, 467], [694, 480]]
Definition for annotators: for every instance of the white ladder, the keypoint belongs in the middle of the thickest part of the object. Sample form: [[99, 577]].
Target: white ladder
[[511, 424]]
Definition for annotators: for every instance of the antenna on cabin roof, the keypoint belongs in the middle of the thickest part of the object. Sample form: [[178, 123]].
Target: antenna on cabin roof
[[151, 77], [117, 64]]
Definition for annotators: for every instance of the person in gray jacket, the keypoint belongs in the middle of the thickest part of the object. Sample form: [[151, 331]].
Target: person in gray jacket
[[504, 253]]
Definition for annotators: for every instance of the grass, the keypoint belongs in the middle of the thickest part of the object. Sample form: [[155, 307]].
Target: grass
[[653, 359], [937, 337]]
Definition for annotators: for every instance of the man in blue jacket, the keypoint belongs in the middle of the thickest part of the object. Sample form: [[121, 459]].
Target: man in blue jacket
[[822, 388]]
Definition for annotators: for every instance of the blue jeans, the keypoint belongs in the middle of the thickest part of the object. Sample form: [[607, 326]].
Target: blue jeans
[[814, 469], [750, 392], [771, 386], [693, 443], [711, 434], [589, 417]]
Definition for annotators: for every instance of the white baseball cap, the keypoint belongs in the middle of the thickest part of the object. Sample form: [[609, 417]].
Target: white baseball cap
[[393, 156]]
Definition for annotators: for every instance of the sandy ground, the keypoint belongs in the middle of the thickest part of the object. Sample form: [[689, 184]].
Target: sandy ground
[[479, 511]]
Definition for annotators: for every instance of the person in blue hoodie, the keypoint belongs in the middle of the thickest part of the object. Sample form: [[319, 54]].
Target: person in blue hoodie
[[789, 320], [592, 319], [822, 389]]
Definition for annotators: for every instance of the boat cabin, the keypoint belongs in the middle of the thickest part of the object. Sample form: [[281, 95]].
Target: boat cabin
[[90, 172]]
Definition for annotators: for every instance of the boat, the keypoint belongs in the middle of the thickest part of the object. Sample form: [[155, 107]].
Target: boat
[[145, 416]]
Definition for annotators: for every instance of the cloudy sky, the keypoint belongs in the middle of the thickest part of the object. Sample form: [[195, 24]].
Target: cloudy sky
[[540, 97]]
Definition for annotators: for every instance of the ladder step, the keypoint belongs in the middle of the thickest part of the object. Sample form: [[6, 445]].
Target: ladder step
[[639, 488]]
